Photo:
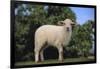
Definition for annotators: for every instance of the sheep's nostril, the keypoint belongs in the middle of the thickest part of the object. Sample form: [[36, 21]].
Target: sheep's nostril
[[67, 28]]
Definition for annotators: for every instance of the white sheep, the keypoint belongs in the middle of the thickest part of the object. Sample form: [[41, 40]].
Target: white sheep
[[57, 36]]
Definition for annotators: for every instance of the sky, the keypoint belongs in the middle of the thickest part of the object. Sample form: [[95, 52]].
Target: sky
[[83, 14]]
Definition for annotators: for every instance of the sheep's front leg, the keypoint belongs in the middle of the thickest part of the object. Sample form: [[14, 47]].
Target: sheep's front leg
[[41, 55], [60, 49]]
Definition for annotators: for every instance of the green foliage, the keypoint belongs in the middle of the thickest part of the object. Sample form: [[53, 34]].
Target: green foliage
[[82, 39]]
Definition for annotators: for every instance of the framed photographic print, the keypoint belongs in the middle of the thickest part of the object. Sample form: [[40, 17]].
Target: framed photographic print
[[52, 34]]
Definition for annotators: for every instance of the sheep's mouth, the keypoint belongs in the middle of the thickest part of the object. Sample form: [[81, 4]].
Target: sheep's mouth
[[68, 29]]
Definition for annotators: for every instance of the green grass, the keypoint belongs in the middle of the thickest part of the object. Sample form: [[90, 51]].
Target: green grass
[[67, 60]]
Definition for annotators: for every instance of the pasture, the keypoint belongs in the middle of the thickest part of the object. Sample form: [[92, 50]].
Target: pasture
[[54, 61]]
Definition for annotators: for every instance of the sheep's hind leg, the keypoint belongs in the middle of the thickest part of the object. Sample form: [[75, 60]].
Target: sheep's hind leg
[[38, 51], [36, 56], [41, 55]]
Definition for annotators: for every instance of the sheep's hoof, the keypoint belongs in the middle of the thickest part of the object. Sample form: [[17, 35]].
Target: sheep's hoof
[[36, 61], [42, 60], [61, 61]]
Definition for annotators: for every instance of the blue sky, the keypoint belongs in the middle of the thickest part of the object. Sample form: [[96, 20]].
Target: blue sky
[[83, 14]]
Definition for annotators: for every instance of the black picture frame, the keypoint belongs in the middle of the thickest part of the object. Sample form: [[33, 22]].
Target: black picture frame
[[12, 39]]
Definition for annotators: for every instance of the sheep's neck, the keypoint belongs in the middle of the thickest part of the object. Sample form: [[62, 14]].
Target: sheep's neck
[[67, 34]]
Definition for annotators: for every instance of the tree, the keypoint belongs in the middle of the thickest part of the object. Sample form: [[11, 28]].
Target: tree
[[82, 39]]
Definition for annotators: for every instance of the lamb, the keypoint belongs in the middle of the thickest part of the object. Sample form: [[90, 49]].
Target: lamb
[[57, 36]]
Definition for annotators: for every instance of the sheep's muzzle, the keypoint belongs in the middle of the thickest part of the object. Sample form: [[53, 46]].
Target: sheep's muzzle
[[68, 29]]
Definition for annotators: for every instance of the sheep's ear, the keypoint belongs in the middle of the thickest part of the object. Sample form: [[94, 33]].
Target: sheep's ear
[[72, 23], [61, 23]]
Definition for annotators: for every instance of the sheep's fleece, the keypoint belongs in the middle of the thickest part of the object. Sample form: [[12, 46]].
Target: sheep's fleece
[[52, 35]]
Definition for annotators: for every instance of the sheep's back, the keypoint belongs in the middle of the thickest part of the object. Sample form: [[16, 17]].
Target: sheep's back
[[53, 34]]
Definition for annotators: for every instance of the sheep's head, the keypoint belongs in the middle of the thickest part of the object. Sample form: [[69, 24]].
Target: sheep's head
[[67, 23]]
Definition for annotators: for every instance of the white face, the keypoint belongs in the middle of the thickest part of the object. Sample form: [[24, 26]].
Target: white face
[[68, 24]]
